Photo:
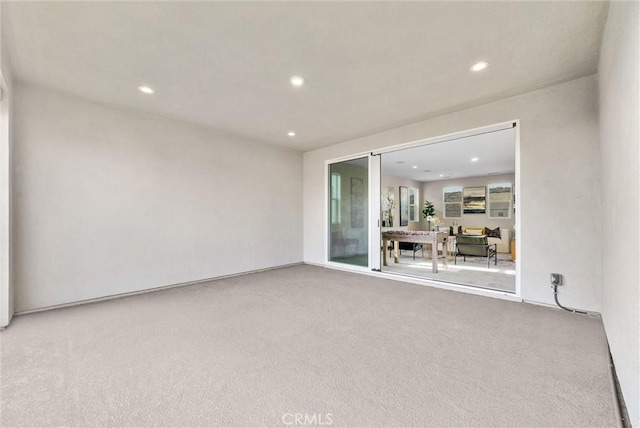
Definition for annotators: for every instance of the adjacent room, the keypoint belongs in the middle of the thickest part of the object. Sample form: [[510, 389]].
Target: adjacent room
[[436, 184], [319, 214]]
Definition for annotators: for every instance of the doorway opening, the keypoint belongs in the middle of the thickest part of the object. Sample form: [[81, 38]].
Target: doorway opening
[[439, 210], [447, 210]]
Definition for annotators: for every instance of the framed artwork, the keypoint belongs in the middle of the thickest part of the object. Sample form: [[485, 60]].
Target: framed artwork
[[404, 206], [474, 200], [500, 197], [387, 204], [414, 215], [452, 200], [357, 203]]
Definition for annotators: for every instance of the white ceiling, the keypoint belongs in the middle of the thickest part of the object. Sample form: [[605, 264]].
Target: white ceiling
[[452, 159], [369, 66]]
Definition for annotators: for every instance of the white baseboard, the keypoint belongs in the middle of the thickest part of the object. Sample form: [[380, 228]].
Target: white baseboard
[[552, 306], [426, 282], [150, 290]]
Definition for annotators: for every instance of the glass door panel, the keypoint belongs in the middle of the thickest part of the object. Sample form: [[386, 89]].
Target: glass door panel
[[349, 212]]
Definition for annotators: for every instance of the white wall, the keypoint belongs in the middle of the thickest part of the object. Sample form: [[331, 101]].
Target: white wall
[[109, 201], [6, 111], [559, 194], [619, 140], [395, 182], [432, 190]]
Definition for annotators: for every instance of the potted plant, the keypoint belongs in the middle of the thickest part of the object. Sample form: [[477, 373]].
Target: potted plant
[[428, 212]]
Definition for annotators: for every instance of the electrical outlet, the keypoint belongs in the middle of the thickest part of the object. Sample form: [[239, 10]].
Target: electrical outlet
[[556, 279]]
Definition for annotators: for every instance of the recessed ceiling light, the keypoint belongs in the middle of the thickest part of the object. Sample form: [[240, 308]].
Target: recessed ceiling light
[[475, 159], [146, 89], [479, 66], [415, 167], [291, 134], [441, 175], [296, 81]]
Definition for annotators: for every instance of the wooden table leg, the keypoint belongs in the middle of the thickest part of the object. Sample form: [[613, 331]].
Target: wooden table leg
[[385, 247], [434, 255], [445, 254], [396, 251]]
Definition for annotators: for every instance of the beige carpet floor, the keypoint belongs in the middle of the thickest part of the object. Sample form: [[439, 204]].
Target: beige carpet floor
[[352, 349]]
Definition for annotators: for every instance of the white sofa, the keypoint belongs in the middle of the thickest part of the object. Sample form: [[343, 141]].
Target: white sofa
[[503, 244]]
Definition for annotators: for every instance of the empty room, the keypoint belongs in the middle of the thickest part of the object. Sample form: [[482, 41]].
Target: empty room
[[316, 213]]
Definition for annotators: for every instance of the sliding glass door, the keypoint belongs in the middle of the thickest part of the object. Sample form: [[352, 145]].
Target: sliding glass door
[[471, 200], [386, 193], [348, 215]]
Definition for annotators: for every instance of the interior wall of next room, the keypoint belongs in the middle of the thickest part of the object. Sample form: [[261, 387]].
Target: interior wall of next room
[[394, 182], [432, 191]]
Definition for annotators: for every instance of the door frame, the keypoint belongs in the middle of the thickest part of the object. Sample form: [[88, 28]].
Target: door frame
[[371, 213], [374, 214], [6, 294]]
